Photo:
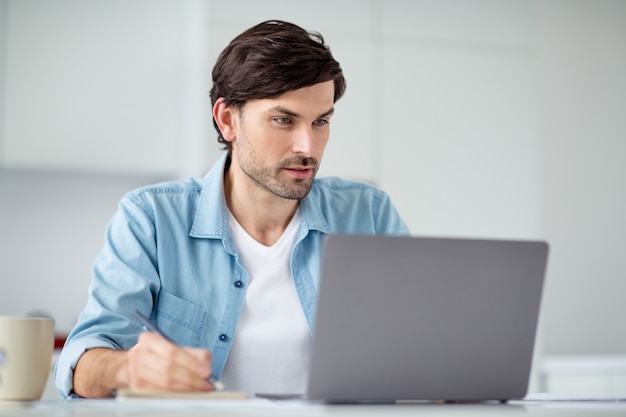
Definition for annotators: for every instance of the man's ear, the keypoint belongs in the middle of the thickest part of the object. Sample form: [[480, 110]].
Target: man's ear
[[226, 119]]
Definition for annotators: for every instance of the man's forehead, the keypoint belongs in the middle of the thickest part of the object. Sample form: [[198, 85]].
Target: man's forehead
[[318, 96]]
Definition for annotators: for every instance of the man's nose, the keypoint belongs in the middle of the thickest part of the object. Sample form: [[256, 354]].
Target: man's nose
[[304, 141]]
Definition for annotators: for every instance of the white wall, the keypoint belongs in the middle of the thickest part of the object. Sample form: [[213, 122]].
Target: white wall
[[460, 153], [581, 54], [4, 7], [52, 227], [482, 118]]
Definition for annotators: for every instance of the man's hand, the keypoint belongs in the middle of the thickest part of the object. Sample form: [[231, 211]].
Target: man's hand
[[154, 363], [157, 364]]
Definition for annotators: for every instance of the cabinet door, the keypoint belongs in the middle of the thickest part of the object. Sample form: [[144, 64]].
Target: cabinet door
[[91, 85]]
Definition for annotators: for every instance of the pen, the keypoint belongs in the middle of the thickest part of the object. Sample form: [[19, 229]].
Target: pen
[[219, 386]]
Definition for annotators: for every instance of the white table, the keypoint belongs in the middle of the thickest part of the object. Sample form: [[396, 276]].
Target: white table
[[260, 408]]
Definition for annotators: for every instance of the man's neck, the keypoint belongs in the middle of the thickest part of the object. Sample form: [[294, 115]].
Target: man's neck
[[263, 215]]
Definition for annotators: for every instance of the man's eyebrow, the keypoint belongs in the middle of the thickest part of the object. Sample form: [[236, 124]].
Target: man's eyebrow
[[283, 110], [327, 113]]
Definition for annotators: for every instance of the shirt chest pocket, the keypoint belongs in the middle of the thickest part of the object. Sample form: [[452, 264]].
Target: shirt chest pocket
[[180, 320]]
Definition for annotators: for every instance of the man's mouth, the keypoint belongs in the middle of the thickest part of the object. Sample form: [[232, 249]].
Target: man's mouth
[[300, 172]]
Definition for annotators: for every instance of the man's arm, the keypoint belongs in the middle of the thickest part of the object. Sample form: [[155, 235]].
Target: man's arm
[[99, 371], [152, 364]]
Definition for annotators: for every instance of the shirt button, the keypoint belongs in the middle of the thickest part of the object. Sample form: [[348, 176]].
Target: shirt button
[[238, 284], [223, 337]]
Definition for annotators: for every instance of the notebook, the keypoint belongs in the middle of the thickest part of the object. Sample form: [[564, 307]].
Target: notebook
[[418, 318]]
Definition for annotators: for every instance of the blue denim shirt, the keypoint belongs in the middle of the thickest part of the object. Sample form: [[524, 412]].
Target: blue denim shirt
[[169, 252]]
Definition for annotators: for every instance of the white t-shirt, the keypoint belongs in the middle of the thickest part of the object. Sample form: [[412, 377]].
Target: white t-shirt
[[271, 348]]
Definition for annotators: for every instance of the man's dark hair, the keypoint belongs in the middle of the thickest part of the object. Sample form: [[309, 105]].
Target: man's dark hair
[[270, 59]]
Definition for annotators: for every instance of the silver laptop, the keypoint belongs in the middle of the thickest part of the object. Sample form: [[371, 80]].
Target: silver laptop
[[412, 318]]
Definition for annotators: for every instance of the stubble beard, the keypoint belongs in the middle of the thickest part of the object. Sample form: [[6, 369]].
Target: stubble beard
[[274, 178]]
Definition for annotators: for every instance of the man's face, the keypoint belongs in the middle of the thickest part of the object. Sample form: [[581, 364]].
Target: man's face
[[280, 141]]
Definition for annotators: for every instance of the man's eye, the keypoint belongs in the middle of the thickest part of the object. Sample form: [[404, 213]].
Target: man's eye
[[321, 122], [282, 120]]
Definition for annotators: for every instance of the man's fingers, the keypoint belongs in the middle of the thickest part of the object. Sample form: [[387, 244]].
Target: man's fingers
[[156, 363], [203, 359]]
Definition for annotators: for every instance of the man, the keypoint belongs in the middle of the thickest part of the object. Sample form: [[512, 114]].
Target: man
[[227, 266]]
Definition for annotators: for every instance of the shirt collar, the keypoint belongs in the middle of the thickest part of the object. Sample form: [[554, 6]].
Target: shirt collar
[[211, 218]]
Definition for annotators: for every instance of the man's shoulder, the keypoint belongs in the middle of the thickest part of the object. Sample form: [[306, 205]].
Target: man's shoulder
[[165, 196], [191, 187], [349, 190], [167, 201], [336, 192], [352, 206], [167, 188]]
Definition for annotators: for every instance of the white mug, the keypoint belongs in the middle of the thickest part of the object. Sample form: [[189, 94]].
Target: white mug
[[26, 346]]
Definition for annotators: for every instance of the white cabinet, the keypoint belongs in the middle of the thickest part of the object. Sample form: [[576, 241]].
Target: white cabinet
[[122, 86], [91, 85]]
